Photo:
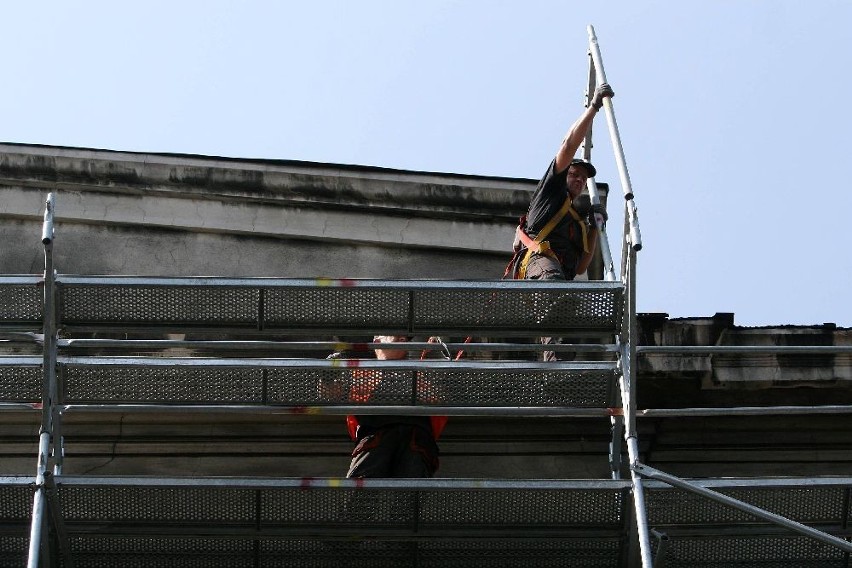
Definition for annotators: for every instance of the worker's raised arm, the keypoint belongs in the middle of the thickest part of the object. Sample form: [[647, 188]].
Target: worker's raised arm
[[581, 126]]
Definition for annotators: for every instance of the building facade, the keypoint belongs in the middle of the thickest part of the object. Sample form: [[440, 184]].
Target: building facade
[[703, 414]]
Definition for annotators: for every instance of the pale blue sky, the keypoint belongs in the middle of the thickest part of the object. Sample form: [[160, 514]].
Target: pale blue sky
[[734, 115]]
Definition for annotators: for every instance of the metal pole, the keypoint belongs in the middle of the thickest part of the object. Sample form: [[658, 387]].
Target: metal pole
[[47, 227], [652, 473], [603, 239], [616, 428], [435, 483], [323, 346], [662, 544], [633, 215], [592, 187], [746, 349], [57, 521], [37, 522], [594, 50], [49, 330], [328, 410], [745, 411], [48, 387], [628, 396], [639, 506], [515, 367], [625, 244], [632, 338]]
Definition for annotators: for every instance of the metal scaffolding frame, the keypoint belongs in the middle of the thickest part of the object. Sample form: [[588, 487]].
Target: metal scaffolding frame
[[651, 519], [438, 518]]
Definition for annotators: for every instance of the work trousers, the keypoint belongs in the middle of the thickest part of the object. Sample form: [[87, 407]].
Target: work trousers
[[541, 267], [396, 450]]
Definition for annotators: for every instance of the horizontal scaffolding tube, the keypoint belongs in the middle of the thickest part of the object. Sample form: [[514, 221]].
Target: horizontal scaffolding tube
[[26, 406], [541, 411], [744, 411], [21, 361], [343, 483], [466, 364], [328, 346], [743, 349], [21, 337], [325, 283]]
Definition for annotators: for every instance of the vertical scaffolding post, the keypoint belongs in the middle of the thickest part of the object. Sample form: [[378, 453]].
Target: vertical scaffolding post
[[616, 429], [628, 395], [37, 523], [616, 422], [592, 188], [37, 536]]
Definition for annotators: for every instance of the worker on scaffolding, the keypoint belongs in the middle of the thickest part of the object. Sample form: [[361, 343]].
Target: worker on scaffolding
[[556, 239], [387, 446]]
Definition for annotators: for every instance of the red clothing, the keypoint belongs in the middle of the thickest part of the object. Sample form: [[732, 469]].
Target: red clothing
[[364, 384]]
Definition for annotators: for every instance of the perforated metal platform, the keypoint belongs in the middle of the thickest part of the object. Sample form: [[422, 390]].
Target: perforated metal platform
[[246, 507], [310, 522], [281, 553], [752, 551], [235, 522], [338, 522], [21, 379], [522, 308], [16, 502], [293, 553], [311, 382], [21, 302]]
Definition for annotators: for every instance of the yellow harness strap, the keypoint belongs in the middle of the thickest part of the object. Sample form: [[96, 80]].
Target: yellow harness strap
[[583, 228], [539, 245]]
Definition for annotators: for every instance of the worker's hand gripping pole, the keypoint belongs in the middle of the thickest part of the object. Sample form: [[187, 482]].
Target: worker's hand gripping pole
[[595, 52]]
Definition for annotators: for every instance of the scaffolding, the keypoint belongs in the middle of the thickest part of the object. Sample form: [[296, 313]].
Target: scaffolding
[[638, 516]]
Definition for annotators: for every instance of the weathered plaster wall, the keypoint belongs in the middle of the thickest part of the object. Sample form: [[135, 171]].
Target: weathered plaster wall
[[177, 215]]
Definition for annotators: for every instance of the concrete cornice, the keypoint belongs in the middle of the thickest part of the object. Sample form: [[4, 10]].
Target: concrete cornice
[[305, 184], [745, 369], [264, 198]]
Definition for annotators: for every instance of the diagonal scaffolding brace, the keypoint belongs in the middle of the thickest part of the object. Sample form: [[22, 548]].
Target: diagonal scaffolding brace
[[632, 217], [655, 474]]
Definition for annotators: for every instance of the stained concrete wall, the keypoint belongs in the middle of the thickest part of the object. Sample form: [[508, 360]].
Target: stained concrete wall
[[123, 213]]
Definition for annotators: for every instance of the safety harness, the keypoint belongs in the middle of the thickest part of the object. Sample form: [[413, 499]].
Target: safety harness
[[539, 245]]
